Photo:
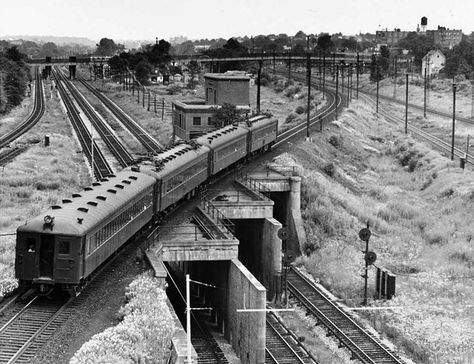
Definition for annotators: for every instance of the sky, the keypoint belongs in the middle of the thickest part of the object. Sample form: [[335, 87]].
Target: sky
[[197, 19]]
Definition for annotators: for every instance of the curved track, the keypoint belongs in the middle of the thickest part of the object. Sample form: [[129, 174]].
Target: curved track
[[357, 340], [35, 116], [100, 166], [282, 346], [437, 142], [150, 144], [113, 143]]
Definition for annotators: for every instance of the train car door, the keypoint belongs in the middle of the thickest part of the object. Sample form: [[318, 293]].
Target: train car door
[[26, 250], [46, 255]]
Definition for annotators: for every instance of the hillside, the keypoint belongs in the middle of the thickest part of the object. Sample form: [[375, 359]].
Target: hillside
[[418, 204]]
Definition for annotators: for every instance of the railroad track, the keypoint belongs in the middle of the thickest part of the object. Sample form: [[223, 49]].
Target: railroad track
[[207, 349], [100, 166], [7, 155], [321, 116], [29, 325], [150, 144], [437, 142], [111, 140], [362, 345], [35, 116], [282, 346]]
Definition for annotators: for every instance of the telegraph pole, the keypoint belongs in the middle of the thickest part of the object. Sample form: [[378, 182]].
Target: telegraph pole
[[424, 97], [259, 74], [324, 76], [454, 121], [377, 101], [308, 71], [357, 77], [406, 106], [337, 86]]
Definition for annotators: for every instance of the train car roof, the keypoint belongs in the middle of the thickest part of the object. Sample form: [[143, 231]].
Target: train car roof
[[221, 136], [258, 122], [86, 209], [171, 159]]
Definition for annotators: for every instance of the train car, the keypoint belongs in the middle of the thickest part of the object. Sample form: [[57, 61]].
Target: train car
[[179, 171], [64, 245], [227, 145], [263, 131]]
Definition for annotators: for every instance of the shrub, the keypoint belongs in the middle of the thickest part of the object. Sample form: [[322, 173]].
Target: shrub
[[144, 335], [300, 109], [291, 91], [329, 169], [290, 118], [335, 141]]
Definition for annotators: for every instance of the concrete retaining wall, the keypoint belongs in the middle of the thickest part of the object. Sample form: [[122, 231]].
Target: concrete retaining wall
[[246, 330]]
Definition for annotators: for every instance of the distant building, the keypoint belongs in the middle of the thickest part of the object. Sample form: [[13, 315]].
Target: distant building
[[445, 38], [194, 118], [390, 38], [201, 48], [433, 62]]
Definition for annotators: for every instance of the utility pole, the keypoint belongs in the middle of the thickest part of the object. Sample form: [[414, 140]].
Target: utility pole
[[357, 77], [324, 76], [377, 97], [259, 74], [406, 106], [337, 86], [188, 320], [308, 72], [395, 78], [424, 96], [454, 121], [92, 152], [289, 65]]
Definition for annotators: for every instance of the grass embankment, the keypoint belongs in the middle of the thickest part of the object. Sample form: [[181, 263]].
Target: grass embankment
[[36, 179], [144, 333], [418, 205]]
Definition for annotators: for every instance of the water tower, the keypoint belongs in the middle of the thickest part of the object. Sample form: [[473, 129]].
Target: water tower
[[424, 23]]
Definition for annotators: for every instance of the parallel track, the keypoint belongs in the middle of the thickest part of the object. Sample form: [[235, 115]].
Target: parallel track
[[113, 143], [362, 345], [7, 155], [29, 326], [100, 166], [437, 142], [35, 116], [150, 144], [282, 346]]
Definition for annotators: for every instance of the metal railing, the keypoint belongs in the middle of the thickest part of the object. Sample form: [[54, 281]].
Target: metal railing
[[217, 215]]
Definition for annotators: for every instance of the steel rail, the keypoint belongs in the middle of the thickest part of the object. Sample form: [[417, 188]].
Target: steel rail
[[150, 144], [35, 116], [100, 166], [353, 336], [113, 143]]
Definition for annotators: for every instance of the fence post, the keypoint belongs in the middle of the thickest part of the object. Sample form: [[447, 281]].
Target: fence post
[[162, 109], [155, 102], [143, 99], [148, 109]]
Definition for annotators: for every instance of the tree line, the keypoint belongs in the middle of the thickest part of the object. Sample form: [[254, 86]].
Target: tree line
[[14, 78]]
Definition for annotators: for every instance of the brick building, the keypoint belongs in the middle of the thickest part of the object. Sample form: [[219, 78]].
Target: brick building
[[230, 87], [193, 118], [444, 37]]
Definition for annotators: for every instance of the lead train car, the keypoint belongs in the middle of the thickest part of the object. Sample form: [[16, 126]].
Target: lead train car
[[69, 241]]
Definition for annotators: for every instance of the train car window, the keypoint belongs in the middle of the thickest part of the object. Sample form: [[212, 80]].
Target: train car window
[[30, 245], [63, 247], [196, 120]]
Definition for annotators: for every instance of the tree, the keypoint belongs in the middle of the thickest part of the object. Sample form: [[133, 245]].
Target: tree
[[49, 49], [325, 43], [418, 45], [193, 69], [143, 71], [225, 115], [106, 47]]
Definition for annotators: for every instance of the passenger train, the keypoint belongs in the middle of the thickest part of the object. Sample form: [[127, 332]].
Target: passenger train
[[63, 246]]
